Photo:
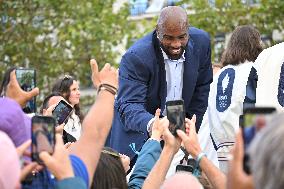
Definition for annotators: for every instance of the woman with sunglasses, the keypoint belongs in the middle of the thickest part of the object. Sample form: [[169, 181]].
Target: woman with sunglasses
[[68, 87]]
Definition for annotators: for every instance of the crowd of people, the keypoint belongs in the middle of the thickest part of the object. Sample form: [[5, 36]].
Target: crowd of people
[[124, 140]]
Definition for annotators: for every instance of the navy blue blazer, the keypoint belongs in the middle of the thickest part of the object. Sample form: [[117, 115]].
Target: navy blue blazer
[[143, 88]]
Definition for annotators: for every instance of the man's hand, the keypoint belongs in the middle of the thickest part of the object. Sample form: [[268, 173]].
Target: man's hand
[[190, 139], [59, 163], [107, 75], [15, 92], [237, 178]]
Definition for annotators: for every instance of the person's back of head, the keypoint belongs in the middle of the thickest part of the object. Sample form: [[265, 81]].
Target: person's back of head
[[50, 100], [14, 122], [182, 180], [266, 153], [109, 172], [245, 44]]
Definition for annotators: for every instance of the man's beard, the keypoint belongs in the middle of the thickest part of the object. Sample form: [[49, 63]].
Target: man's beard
[[173, 56]]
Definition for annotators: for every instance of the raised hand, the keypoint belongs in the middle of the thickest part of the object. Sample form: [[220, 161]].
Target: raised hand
[[28, 167], [237, 178], [107, 75], [59, 163], [190, 139], [15, 92]]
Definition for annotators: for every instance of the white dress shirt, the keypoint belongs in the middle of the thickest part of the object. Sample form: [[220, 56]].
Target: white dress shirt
[[174, 78]]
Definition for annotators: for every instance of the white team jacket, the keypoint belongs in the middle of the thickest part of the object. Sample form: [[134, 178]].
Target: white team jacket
[[225, 105], [270, 85]]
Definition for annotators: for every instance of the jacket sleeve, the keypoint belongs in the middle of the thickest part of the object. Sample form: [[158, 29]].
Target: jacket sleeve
[[199, 101], [134, 77], [147, 158]]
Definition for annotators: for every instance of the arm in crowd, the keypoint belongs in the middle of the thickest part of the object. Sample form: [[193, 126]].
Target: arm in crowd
[[60, 166], [97, 122], [132, 93], [192, 146], [237, 178], [158, 173], [30, 166], [148, 155]]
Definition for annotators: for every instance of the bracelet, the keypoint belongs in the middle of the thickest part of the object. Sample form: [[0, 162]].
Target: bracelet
[[199, 157], [107, 89], [108, 85], [197, 171]]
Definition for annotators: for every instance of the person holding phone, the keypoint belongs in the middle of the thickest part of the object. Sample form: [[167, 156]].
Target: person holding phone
[[171, 63], [43, 135], [16, 86], [68, 88], [60, 166]]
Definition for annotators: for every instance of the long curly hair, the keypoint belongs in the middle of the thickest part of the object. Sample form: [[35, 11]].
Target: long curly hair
[[245, 44], [62, 86]]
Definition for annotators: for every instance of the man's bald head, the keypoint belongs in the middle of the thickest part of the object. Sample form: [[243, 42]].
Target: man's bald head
[[172, 17], [172, 31]]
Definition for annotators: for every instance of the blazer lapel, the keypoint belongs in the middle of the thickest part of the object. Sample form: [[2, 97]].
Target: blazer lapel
[[161, 72], [189, 73]]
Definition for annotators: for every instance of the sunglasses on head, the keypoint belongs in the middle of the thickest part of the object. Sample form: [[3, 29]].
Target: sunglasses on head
[[115, 154]]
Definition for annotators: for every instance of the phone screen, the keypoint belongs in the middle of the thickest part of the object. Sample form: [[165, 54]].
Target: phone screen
[[175, 115], [43, 136], [27, 81], [254, 120], [62, 111]]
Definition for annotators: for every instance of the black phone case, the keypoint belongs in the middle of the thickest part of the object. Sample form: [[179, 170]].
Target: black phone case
[[70, 109], [27, 109], [173, 128], [35, 155]]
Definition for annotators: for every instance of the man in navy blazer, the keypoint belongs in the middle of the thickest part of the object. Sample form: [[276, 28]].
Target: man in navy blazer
[[173, 62]]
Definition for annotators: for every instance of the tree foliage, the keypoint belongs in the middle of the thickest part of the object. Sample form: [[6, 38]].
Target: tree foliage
[[224, 16], [57, 37]]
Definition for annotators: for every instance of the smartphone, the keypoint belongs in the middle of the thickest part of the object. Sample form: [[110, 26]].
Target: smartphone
[[62, 111], [43, 136], [27, 81], [175, 115], [191, 164], [253, 120], [184, 168]]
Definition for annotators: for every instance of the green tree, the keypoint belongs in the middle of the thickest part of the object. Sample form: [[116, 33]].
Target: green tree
[[57, 37], [224, 15]]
